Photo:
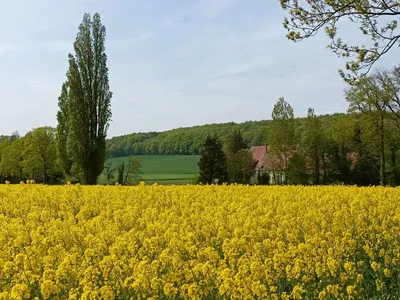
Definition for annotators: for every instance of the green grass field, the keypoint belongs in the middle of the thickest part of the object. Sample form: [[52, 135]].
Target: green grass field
[[163, 169]]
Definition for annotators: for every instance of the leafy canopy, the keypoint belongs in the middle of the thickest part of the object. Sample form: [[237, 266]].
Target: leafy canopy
[[212, 163], [376, 19], [281, 132]]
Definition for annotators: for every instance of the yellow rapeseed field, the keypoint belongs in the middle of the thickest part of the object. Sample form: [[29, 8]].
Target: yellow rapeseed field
[[193, 242]]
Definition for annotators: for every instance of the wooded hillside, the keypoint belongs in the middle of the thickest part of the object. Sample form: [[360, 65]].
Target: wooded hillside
[[188, 141]]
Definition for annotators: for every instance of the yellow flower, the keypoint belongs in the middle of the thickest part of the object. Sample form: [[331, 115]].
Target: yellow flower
[[374, 266], [107, 292], [387, 272], [198, 242], [170, 290], [332, 266], [4, 296], [297, 292], [48, 289], [350, 290], [379, 284], [333, 290], [359, 278], [285, 296], [349, 267], [20, 291], [273, 288]]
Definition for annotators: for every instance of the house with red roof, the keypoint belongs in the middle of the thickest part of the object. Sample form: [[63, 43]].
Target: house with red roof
[[266, 161]]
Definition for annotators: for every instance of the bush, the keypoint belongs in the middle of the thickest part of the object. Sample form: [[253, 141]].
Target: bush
[[263, 178]]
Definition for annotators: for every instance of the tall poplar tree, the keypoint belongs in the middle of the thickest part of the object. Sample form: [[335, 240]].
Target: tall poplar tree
[[87, 107], [62, 132]]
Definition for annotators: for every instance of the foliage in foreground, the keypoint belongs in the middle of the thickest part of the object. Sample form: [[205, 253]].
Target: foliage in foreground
[[377, 21], [199, 241]]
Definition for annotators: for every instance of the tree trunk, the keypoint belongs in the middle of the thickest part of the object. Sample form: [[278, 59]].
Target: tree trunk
[[120, 177], [44, 176], [393, 160], [286, 170], [324, 167], [382, 154], [90, 178], [316, 169], [393, 179], [90, 169], [344, 172]]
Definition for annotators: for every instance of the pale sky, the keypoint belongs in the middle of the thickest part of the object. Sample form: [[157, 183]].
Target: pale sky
[[172, 63]]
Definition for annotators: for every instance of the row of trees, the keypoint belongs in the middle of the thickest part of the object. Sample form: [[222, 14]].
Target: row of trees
[[320, 148], [374, 97], [359, 148], [35, 157], [377, 98], [316, 152]]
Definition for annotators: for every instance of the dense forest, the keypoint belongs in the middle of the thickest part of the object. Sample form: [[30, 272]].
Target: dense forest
[[188, 141]]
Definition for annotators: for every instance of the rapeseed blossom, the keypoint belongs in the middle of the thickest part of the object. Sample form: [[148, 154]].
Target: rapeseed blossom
[[193, 242]]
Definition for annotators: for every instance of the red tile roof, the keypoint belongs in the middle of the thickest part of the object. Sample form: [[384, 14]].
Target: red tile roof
[[259, 153], [265, 160]]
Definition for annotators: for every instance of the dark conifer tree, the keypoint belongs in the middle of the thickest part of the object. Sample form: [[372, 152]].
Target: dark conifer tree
[[212, 164]]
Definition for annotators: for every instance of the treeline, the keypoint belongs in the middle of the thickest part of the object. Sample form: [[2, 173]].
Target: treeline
[[30, 157], [361, 147], [186, 141], [181, 141], [35, 157], [340, 149], [343, 149]]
